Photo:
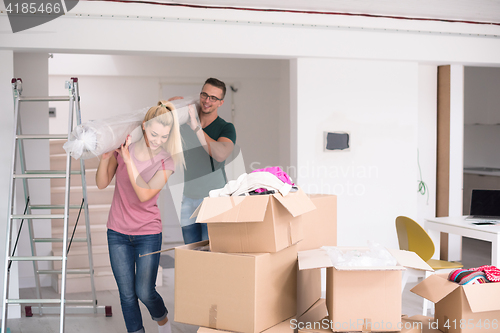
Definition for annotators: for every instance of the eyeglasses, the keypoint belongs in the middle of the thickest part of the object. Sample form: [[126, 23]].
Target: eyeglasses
[[204, 95]]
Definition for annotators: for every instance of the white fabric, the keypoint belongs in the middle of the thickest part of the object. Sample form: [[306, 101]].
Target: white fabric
[[248, 182]]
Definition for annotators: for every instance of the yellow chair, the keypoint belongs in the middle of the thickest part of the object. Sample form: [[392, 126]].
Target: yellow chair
[[412, 237]]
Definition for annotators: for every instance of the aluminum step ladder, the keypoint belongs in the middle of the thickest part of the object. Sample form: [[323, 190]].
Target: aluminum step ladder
[[59, 305]]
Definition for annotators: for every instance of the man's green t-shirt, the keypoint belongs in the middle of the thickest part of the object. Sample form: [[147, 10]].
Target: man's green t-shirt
[[203, 173]]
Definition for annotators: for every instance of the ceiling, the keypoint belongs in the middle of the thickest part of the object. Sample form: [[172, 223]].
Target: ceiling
[[455, 10]]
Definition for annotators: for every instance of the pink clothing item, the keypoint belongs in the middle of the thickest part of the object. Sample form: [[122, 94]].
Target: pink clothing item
[[278, 172], [492, 272], [128, 215]]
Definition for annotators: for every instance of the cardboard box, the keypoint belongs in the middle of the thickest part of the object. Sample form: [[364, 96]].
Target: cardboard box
[[363, 298], [321, 224], [476, 307], [308, 289], [238, 292], [254, 224], [283, 327], [315, 313]]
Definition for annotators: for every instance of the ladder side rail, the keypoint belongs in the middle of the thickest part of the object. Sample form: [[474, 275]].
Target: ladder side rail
[[85, 201], [22, 164], [66, 216], [8, 241]]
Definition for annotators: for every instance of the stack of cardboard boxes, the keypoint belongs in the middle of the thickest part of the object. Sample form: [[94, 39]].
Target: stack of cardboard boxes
[[261, 271], [247, 281]]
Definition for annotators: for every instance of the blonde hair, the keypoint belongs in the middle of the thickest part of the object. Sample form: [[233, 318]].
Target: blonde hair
[[165, 114]]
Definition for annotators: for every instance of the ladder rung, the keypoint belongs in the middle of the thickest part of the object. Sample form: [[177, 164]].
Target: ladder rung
[[41, 136], [67, 302], [37, 258], [39, 176], [44, 99], [68, 271], [37, 216], [72, 307], [58, 240], [35, 301], [51, 172], [54, 207], [79, 302], [45, 174]]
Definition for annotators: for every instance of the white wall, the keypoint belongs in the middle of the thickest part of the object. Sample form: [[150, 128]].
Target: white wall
[[427, 136], [456, 140], [377, 103]]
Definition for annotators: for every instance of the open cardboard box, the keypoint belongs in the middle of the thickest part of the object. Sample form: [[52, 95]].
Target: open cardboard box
[[476, 307], [314, 314], [308, 290], [256, 223], [240, 292], [321, 223], [321, 230], [362, 298]]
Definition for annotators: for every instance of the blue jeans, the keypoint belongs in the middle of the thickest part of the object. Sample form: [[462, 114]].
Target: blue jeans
[[192, 232], [136, 277]]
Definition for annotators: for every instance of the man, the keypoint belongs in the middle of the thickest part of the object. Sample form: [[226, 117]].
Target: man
[[206, 146]]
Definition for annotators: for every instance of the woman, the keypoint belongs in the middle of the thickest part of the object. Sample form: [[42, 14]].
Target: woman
[[134, 224]]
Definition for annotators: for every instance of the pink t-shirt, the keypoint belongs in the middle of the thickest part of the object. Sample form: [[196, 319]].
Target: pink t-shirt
[[128, 215]]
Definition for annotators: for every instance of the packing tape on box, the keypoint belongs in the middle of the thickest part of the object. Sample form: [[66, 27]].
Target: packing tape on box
[[212, 316]]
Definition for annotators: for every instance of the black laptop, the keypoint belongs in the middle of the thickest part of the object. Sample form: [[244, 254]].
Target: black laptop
[[485, 205]]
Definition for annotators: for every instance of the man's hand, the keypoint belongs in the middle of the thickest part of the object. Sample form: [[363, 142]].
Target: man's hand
[[193, 119]]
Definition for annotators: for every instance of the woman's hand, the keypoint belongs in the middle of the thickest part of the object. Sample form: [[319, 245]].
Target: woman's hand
[[106, 170], [123, 150], [107, 155]]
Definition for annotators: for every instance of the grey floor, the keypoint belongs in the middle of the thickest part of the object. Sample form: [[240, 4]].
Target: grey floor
[[475, 253]]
